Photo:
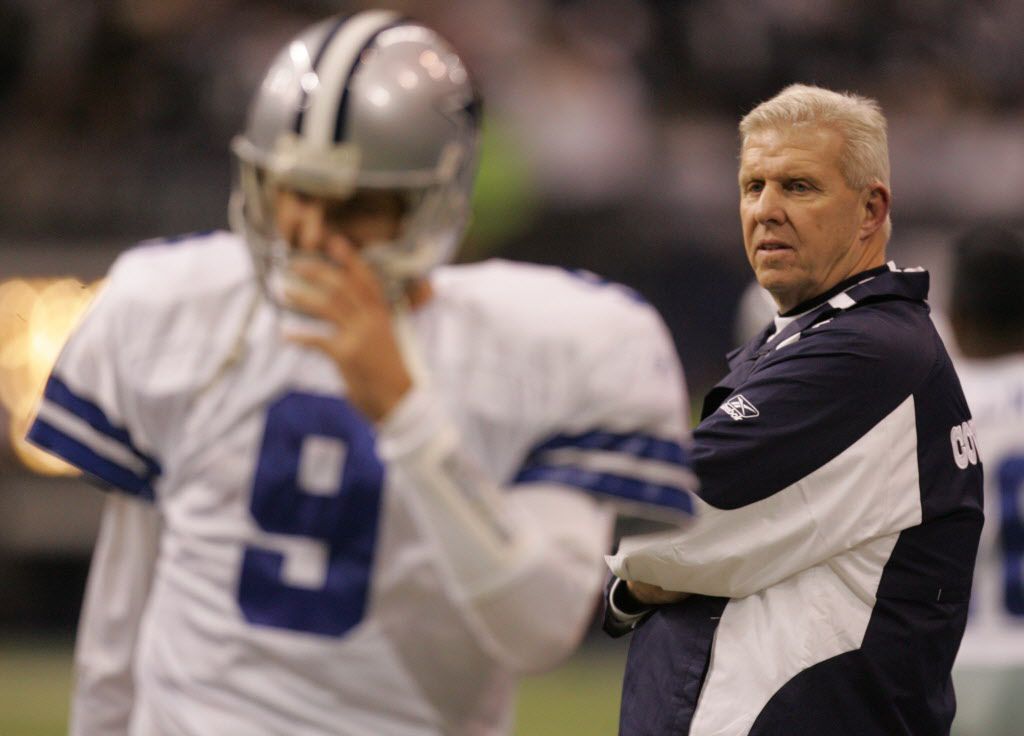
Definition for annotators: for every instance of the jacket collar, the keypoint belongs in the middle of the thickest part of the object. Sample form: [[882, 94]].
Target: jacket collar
[[876, 284]]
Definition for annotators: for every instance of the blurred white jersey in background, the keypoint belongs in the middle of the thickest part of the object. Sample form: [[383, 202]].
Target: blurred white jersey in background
[[989, 672]]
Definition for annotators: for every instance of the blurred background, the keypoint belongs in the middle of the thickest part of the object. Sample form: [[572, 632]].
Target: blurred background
[[610, 145]]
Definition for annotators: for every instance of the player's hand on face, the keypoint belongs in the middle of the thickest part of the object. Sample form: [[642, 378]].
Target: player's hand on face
[[346, 293], [653, 595]]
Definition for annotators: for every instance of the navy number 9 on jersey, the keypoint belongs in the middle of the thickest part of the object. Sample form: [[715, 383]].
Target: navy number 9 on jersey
[[318, 483]]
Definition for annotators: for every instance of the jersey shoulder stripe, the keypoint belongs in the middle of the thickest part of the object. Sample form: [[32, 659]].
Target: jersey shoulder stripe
[[79, 431], [57, 392], [106, 471], [636, 468], [639, 445], [621, 488]]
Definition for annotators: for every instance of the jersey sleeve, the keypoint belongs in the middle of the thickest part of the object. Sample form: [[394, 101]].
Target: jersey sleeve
[[624, 439], [118, 587], [522, 560], [84, 415], [812, 455]]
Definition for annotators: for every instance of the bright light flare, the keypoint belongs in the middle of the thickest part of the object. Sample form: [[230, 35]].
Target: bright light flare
[[36, 317]]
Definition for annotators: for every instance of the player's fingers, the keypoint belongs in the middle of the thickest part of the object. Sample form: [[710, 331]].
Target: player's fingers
[[340, 250], [333, 304], [335, 281], [308, 300], [319, 272], [362, 279]]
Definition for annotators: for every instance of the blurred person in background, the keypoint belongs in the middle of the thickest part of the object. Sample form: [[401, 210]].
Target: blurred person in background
[[823, 586], [353, 490], [754, 310], [987, 319]]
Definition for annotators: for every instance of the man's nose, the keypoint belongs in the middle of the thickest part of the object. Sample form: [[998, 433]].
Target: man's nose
[[770, 206]]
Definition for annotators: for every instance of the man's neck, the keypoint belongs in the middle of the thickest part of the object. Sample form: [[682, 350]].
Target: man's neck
[[827, 294]]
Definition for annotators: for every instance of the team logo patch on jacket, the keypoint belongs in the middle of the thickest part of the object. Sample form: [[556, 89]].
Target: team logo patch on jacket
[[739, 408]]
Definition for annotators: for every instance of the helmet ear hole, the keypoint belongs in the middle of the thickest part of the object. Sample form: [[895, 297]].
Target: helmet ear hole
[[368, 102]]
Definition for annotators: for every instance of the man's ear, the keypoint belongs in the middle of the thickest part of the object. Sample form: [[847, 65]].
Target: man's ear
[[876, 209]]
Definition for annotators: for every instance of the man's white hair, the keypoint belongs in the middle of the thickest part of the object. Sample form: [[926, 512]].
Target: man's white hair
[[865, 155]]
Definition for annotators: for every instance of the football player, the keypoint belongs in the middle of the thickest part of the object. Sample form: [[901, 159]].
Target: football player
[[354, 490], [987, 319]]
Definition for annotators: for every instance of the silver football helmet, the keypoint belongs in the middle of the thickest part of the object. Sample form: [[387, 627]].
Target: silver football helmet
[[373, 101]]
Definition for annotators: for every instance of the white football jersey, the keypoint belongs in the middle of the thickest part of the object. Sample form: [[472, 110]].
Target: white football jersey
[[301, 582], [995, 628]]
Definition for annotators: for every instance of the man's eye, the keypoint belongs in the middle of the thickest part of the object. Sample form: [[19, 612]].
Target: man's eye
[[342, 211], [800, 186], [754, 187], [301, 197]]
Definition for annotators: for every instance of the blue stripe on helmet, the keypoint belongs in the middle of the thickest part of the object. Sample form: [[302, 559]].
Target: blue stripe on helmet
[[339, 120], [304, 101]]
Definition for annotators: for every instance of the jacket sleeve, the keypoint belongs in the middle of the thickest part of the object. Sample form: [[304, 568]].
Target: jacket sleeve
[[622, 612], [822, 458]]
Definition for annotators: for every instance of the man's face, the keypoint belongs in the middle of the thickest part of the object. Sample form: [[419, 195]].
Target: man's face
[[801, 221], [306, 222]]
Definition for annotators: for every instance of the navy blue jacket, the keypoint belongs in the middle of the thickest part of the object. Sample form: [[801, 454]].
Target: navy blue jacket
[[839, 519]]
